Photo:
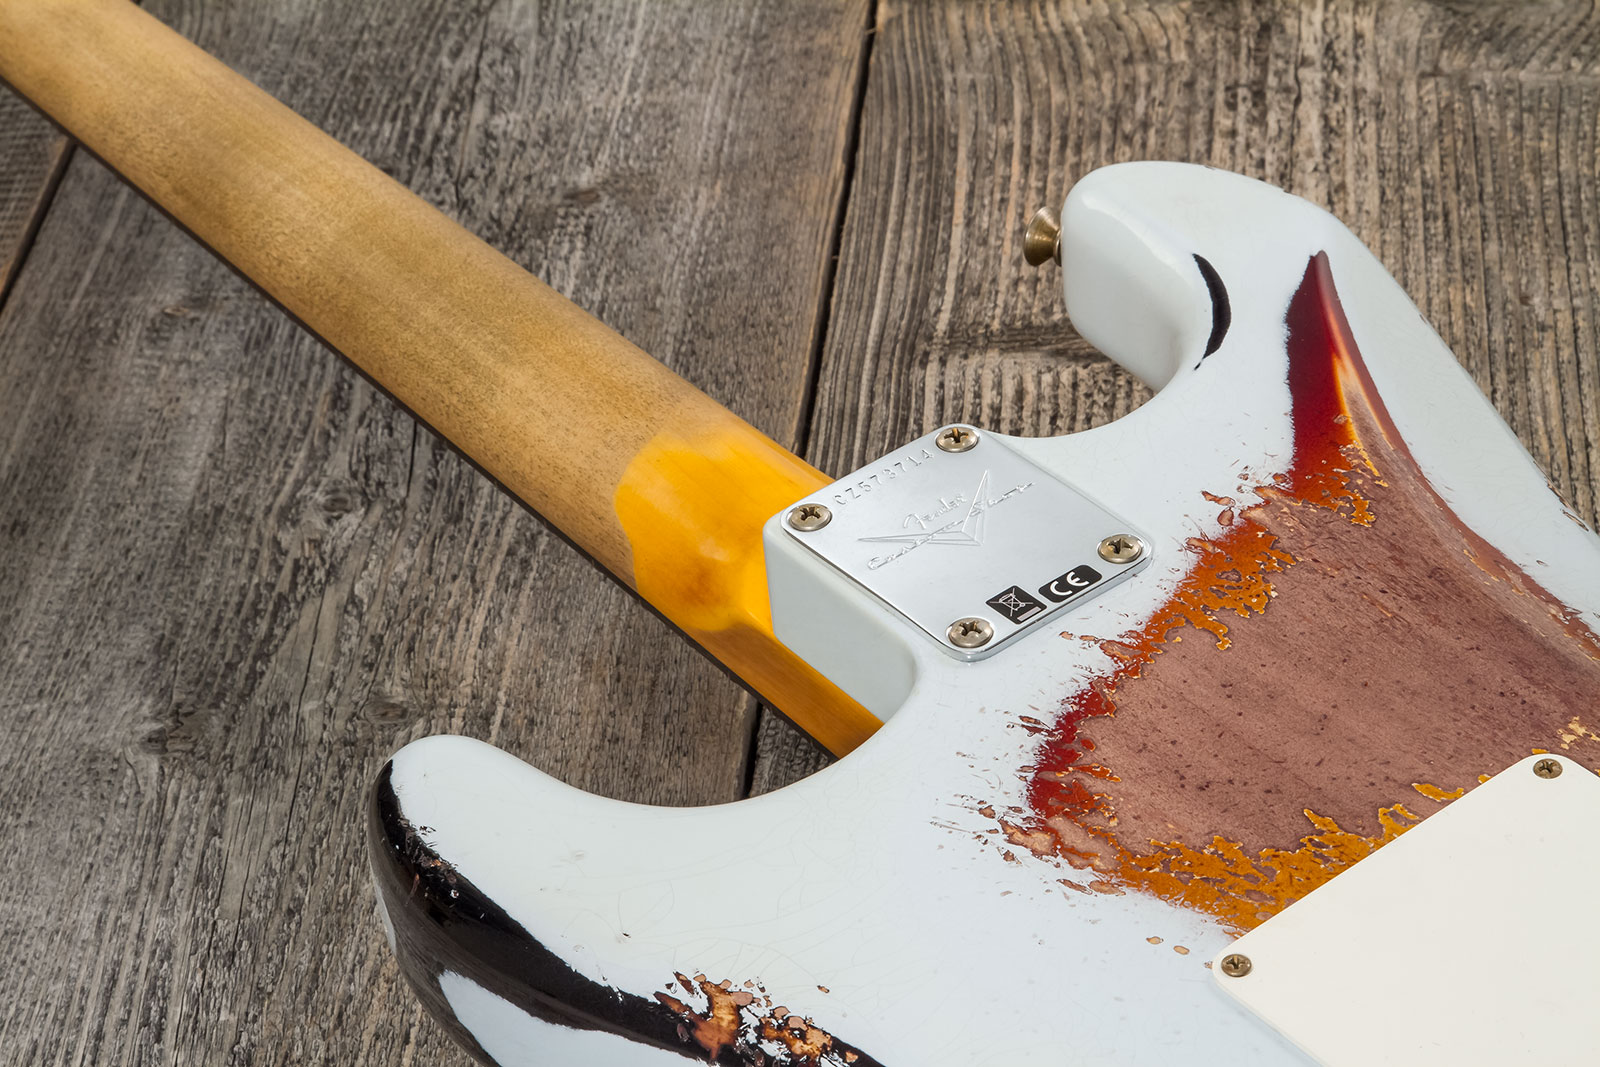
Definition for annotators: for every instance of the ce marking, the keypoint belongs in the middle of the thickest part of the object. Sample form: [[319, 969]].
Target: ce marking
[[1070, 584]]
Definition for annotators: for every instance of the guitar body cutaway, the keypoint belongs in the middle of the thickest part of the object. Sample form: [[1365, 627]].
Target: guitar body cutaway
[[1361, 600]]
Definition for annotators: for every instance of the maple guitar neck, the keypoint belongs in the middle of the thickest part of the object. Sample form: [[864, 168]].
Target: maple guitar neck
[[653, 479]]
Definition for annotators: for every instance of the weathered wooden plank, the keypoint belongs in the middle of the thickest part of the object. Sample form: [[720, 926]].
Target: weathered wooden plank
[[32, 154], [234, 577], [1459, 141]]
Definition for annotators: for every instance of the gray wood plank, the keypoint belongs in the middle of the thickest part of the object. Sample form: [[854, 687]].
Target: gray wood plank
[[32, 153], [1458, 141], [233, 577]]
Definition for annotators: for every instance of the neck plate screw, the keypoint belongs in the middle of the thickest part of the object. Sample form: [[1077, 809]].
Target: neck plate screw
[[808, 517], [971, 632], [957, 439], [1121, 548]]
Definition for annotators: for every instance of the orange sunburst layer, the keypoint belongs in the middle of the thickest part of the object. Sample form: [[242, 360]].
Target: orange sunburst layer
[[1070, 816], [736, 1018]]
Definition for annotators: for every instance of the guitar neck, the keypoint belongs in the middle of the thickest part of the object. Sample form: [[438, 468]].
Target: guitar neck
[[657, 482]]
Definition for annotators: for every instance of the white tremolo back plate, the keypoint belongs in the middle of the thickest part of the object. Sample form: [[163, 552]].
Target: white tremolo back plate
[[1472, 939]]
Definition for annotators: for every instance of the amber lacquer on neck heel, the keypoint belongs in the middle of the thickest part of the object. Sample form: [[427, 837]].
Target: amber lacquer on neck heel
[[660, 484]]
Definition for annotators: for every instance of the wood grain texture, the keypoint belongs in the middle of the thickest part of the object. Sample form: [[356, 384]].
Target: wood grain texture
[[640, 470], [234, 577], [32, 154], [1458, 140]]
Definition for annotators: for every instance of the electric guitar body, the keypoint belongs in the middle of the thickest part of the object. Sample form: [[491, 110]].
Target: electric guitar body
[[1256, 726], [1354, 599]]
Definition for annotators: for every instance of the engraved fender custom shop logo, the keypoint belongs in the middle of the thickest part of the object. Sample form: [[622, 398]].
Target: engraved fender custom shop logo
[[933, 526]]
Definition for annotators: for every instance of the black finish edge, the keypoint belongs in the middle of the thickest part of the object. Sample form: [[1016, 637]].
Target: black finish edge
[[1221, 311], [442, 922]]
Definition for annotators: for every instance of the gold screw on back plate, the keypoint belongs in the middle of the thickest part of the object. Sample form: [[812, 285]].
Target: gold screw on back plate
[[1548, 768], [1236, 965]]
